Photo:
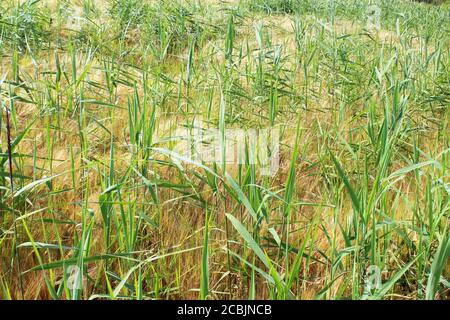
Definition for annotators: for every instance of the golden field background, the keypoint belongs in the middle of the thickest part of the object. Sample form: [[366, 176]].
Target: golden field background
[[96, 90]]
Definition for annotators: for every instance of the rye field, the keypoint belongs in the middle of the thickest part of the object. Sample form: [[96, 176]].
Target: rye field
[[252, 149]]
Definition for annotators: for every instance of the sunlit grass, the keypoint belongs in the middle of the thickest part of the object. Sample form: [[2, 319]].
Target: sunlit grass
[[93, 96]]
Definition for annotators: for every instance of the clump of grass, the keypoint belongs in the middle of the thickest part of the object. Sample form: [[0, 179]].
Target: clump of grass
[[169, 28], [99, 202], [274, 6], [24, 25], [128, 13]]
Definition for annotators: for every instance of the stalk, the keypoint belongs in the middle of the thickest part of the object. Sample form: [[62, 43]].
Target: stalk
[[16, 253]]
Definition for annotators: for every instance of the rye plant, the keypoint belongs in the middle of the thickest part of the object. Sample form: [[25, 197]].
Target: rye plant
[[104, 194]]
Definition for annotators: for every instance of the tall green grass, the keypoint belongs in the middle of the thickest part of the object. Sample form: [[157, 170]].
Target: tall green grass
[[92, 181]]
